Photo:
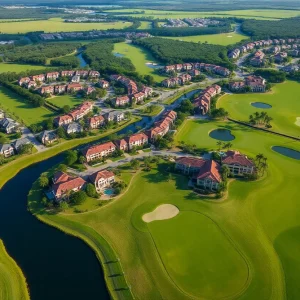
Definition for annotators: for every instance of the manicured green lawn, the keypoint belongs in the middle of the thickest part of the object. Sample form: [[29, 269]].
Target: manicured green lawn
[[285, 101], [12, 281], [15, 105], [66, 99], [145, 25], [57, 24], [156, 110], [6, 67], [139, 58], [218, 39]]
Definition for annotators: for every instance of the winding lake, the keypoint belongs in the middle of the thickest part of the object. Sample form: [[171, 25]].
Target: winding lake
[[82, 61], [261, 105], [56, 266], [287, 152], [222, 135]]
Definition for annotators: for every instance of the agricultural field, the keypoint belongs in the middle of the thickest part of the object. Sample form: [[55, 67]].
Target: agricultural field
[[139, 58], [12, 281], [22, 111], [145, 25], [253, 14], [217, 39], [66, 99], [248, 256], [285, 109], [7, 67], [57, 24]]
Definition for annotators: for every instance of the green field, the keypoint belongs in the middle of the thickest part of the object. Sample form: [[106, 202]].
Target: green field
[[57, 24], [66, 99], [256, 229], [12, 281], [22, 111], [6, 67], [218, 39], [251, 13], [285, 101], [139, 58], [145, 25]]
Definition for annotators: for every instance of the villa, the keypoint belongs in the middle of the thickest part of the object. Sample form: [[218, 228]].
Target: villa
[[52, 75], [102, 179], [48, 137], [73, 128], [9, 125], [81, 110], [47, 90], [98, 151], [256, 83], [63, 120], [67, 73], [7, 150], [122, 145], [238, 163], [18, 144], [121, 101], [114, 116], [137, 140], [96, 122], [74, 87], [104, 84]]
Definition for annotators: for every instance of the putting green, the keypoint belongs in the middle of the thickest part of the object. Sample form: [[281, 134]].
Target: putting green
[[285, 102], [199, 257]]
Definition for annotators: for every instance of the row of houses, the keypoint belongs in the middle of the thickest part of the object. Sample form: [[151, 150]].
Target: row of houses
[[256, 84], [197, 66], [55, 75], [206, 174], [160, 128], [11, 149], [64, 184], [203, 101], [175, 81]]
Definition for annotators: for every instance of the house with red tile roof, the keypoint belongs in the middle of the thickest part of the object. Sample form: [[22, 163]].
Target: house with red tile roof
[[52, 75], [59, 89], [23, 80], [104, 84], [238, 163], [67, 73], [96, 122], [121, 101], [63, 120], [209, 176], [49, 89], [31, 84], [94, 74], [81, 110], [122, 145], [138, 97], [189, 165], [98, 151], [64, 184], [40, 77], [82, 73], [137, 140], [102, 179], [74, 87]]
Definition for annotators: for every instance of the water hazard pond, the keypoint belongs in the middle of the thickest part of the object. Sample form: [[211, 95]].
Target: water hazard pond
[[261, 105], [222, 135], [287, 152]]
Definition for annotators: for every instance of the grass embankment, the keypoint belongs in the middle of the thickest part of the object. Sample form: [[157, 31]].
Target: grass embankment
[[218, 39], [9, 170], [139, 57], [253, 229], [57, 25], [285, 109], [156, 110], [12, 281]]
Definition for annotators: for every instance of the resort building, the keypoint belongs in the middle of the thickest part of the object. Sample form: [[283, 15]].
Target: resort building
[[98, 151], [96, 122], [209, 177], [102, 179], [238, 163], [137, 140], [256, 83]]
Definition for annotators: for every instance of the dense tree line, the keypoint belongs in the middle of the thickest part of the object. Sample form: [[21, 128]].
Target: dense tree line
[[38, 53], [67, 61], [172, 51], [260, 29], [272, 76], [27, 13]]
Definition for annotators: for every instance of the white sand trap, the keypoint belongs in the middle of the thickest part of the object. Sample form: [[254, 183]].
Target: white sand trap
[[229, 35], [162, 212], [297, 121]]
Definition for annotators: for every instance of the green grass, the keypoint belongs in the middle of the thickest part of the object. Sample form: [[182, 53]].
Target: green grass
[[145, 25], [256, 14], [23, 111], [57, 24], [218, 39], [7, 67], [285, 102], [12, 281], [156, 110], [139, 58], [66, 99]]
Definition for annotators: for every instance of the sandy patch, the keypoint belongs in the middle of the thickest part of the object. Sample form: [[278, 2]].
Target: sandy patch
[[162, 212], [297, 121], [229, 35]]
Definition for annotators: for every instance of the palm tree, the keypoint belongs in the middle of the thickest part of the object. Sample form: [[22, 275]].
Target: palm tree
[[259, 157], [219, 144], [263, 167]]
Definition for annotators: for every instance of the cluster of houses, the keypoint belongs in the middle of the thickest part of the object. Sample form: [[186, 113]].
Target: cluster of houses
[[73, 86], [10, 149], [178, 80], [64, 184], [8, 125], [203, 101], [134, 141], [134, 95], [190, 22], [186, 67], [258, 59], [206, 174], [255, 84]]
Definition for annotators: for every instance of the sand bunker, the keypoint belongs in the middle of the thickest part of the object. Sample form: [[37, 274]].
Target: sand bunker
[[297, 121], [229, 35], [162, 212]]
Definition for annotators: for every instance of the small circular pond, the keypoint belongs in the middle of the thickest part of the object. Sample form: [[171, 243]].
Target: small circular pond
[[261, 105], [222, 135], [117, 54], [287, 152]]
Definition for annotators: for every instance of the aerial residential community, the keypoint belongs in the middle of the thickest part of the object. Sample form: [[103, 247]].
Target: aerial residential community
[[149, 150]]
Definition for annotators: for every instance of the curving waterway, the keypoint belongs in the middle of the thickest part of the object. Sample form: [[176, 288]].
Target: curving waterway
[[56, 265]]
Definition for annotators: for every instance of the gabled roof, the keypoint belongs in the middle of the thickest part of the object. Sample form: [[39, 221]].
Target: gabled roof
[[191, 161], [236, 158], [136, 137], [105, 174], [63, 187], [98, 149], [211, 170]]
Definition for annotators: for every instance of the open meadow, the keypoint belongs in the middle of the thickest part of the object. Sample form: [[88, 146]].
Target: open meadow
[[66, 99], [57, 24], [7, 67], [22, 111], [218, 39], [145, 25], [139, 57], [253, 229], [284, 99]]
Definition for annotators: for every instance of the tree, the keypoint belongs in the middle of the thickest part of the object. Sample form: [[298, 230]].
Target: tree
[[43, 181], [66, 109], [63, 205], [91, 190], [78, 197], [2, 159], [225, 172], [219, 144], [26, 149], [61, 133], [128, 115], [135, 164], [96, 110], [81, 159], [71, 157]]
